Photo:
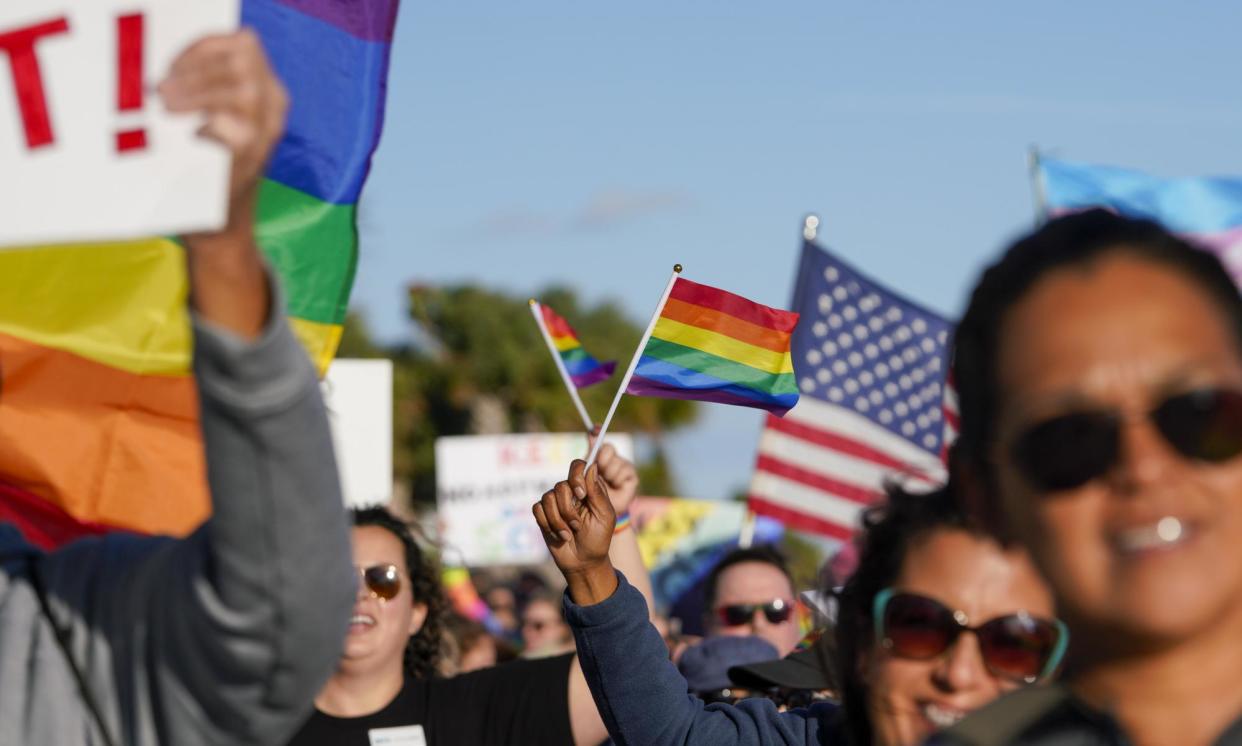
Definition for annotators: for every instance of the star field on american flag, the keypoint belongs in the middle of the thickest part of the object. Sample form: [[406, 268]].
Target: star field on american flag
[[871, 367], [873, 352]]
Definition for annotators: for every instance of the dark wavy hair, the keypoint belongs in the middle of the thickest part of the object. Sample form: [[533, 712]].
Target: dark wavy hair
[[889, 530], [1073, 241], [423, 651]]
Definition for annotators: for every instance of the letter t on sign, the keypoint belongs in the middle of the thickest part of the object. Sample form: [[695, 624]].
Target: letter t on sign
[[19, 44]]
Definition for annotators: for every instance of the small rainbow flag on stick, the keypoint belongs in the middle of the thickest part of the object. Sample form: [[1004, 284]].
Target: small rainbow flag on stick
[[578, 369], [708, 344], [712, 345]]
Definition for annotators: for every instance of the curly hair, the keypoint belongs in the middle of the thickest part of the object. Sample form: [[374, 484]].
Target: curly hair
[[423, 651], [889, 530]]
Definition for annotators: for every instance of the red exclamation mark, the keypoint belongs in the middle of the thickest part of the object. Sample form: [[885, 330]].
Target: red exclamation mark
[[129, 93]]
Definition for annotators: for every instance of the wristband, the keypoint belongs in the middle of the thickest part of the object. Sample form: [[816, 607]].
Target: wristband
[[623, 522]]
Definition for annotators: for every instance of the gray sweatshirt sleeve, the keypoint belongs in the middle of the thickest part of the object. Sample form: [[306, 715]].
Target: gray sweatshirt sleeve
[[224, 636]]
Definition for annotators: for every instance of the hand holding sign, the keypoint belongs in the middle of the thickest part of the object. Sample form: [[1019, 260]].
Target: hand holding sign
[[228, 79]]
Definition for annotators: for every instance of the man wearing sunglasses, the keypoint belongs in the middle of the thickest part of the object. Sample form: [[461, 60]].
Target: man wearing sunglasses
[[223, 636], [750, 592]]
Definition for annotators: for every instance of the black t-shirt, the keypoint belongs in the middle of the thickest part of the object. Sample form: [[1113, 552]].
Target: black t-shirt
[[520, 703]]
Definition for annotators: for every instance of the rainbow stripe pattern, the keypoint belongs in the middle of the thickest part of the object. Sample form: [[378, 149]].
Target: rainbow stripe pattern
[[583, 369], [712, 345], [1208, 211], [99, 416]]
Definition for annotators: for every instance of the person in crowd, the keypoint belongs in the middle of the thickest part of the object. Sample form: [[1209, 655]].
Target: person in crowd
[[473, 648], [1099, 366], [503, 604], [750, 592], [706, 665], [385, 684], [544, 631], [938, 620], [225, 635], [795, 681]]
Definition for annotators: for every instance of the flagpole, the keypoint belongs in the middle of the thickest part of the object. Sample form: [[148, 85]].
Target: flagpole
[[629, 372], [560, 365], [1038, 190], [810, 226], [746, 535]]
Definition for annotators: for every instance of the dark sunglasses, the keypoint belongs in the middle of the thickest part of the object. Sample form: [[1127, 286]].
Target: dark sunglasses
[[1018, 646], [1070, 450], [735, 615], [383, 581]]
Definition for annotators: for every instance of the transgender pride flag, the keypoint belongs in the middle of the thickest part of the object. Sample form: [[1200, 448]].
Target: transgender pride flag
[[1206, 210]]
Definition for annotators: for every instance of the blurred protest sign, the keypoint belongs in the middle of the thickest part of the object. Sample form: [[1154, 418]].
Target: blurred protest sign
[[485, 485], [89, 151], [681, 539], [358, 395]]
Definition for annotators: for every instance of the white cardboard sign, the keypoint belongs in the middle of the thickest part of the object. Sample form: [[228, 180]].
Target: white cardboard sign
[[87, 151], [486, 484], [358, 396]]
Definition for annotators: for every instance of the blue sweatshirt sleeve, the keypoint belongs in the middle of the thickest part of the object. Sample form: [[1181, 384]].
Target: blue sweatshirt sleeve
[[642, 697]]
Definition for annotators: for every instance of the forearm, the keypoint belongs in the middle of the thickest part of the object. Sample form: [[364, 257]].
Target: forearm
[[278, 538], [639, 693], [228, 284], [588, 726], [592, 585], [628, 559]]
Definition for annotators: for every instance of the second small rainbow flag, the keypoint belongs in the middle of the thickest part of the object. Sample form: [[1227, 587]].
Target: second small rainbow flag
[[711, 345], [583, 369]]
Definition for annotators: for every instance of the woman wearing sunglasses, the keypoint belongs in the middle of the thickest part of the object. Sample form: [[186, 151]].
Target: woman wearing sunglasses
[[1100, 371], [938, 620], [385, 688]]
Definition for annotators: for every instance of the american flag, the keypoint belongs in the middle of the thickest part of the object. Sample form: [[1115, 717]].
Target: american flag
[[871, 367]]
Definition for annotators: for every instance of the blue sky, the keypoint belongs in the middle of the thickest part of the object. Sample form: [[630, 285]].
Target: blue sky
[[595, 145]]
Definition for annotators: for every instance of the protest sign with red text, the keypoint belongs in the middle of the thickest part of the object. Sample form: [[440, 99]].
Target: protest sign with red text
[[87, 151]]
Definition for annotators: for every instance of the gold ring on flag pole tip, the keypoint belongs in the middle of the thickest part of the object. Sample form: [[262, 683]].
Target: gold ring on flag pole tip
[[677, 268], [810, 226]]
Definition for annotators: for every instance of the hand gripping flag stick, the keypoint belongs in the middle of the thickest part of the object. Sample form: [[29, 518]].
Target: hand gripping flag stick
[[629, 372]]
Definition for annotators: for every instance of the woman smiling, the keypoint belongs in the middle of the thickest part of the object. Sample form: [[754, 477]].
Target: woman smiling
[[1100, 371]]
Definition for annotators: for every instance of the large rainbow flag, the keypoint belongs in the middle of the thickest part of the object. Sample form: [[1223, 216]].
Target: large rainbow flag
[[1206, 210], [98, 418], [711, 345]]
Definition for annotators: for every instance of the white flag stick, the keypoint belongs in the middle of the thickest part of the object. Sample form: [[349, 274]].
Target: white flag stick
[[1039, 189], [746, 536], [629, 372], [535, 310]]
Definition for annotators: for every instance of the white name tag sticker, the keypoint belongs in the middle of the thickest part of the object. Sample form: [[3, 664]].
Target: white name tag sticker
[[408, 735]]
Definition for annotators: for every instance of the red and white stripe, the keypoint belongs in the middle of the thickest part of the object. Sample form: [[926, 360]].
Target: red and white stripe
[[821, 464]]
